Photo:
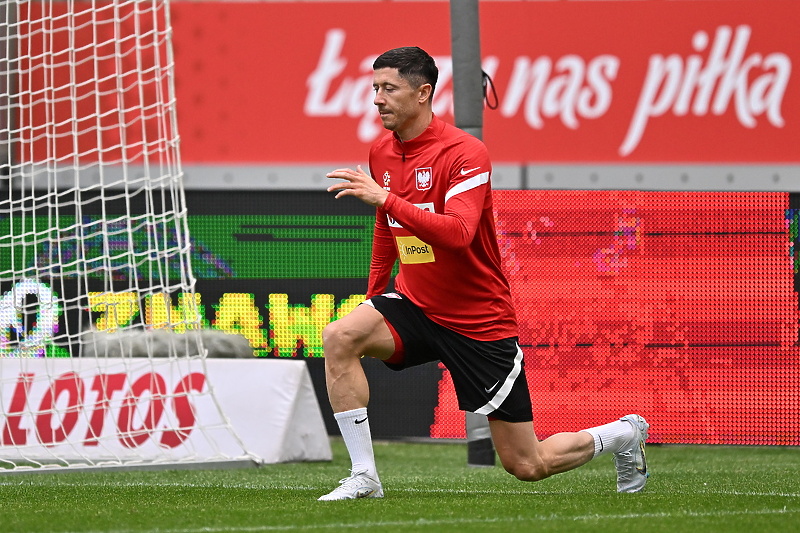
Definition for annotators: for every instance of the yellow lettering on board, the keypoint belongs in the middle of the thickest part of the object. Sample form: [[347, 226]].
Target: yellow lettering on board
[[159, 313], [116, 309], [237, 313], [291, 323]]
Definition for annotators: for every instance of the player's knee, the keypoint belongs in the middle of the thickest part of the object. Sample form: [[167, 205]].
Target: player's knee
[[332, 337], [527, 470], [338, 340]]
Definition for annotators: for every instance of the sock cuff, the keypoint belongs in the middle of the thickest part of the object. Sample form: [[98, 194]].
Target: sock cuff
[[353, 413], [599, 447], [611, 437]]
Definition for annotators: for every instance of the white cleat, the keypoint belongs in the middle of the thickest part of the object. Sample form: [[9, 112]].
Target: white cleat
[[631, 462], [358, 485]]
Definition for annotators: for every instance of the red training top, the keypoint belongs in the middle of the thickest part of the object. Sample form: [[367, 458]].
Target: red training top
[[438, 220]]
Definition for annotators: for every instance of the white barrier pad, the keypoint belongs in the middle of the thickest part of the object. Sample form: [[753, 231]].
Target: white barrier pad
[[89, 410], [273, 408]]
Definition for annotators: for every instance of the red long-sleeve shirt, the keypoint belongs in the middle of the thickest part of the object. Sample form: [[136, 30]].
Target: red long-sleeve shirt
[[438, 221]]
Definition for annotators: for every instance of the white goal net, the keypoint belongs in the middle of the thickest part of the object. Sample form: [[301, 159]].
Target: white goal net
[[101, 358]]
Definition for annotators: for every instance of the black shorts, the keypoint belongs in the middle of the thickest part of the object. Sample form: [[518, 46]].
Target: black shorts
[[489, 376]]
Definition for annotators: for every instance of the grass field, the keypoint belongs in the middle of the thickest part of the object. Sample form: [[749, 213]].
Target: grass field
[[428, 488]]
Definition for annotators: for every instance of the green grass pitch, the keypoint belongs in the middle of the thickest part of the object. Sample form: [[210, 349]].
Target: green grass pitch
[[428, 487]]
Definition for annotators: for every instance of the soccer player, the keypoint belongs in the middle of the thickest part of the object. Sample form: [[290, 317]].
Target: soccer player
[[432, 191]]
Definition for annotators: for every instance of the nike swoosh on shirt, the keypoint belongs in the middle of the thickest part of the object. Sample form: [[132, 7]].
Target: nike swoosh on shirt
[[465, 172]]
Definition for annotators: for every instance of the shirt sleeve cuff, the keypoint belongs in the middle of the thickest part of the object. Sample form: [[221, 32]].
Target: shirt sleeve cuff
[[389, 202]]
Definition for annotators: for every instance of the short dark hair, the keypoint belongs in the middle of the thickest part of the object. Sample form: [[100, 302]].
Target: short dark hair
[[413, 64]]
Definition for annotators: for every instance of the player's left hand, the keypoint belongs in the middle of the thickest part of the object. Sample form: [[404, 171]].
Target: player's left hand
[[359, 184]]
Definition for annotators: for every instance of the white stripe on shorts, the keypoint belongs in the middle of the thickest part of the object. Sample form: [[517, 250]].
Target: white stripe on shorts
[[505, 389]]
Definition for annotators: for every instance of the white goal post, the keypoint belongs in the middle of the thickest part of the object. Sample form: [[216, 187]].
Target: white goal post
[[102, 359]]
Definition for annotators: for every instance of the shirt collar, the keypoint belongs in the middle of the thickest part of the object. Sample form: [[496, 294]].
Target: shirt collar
[[416, 144]]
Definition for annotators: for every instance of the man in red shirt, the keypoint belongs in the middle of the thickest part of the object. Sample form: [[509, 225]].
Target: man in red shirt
[[433, 199]]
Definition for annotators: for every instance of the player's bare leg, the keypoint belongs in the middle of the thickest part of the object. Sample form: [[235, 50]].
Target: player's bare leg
[[523, 455], [527, 458], [362, 332]]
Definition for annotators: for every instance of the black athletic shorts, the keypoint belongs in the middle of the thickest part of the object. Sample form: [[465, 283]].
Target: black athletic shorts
[[489, 376]]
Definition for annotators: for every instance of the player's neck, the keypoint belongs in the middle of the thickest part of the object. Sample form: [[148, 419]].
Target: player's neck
[[416, 128]]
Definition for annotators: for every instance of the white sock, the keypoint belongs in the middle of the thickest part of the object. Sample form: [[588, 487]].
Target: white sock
[[611, 437], [354, 426]]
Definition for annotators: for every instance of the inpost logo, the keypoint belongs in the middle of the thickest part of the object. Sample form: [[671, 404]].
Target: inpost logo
[[413, 251]]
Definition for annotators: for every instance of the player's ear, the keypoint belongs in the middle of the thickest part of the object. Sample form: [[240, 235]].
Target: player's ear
[[425, 91]]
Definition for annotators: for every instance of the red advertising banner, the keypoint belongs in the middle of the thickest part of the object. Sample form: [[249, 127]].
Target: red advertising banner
[[680, 81], [291, 82]]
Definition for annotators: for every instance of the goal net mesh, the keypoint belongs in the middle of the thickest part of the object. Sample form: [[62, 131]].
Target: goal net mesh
[[101, 354]]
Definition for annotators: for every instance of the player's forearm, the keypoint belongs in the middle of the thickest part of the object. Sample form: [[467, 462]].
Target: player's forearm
[[453, 230], [384, 255]]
